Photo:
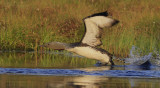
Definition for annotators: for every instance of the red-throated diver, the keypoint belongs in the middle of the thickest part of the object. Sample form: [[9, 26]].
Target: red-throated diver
[[87, 47]]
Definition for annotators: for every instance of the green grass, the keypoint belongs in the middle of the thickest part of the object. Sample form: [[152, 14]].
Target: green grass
[[44, 60], [24, 24]]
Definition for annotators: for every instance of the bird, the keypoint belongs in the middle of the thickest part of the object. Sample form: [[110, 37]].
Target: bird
[[88, 45]]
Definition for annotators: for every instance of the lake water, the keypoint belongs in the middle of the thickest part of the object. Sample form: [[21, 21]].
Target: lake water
[[66, 70], [36, 81]]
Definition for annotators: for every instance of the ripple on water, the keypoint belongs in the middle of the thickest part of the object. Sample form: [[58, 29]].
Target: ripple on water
[[77, 72]]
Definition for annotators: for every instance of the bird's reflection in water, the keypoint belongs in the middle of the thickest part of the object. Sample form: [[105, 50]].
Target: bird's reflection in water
[[93, 81], [88, 81], [84, 81], [79, 82]]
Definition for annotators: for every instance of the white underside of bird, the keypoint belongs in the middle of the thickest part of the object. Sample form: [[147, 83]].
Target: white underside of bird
[[91, 53]]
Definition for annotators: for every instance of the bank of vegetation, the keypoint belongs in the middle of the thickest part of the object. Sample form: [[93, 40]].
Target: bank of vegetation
[[25, 24]]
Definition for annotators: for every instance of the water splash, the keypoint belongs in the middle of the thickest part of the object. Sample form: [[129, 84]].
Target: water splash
[[135, 52], [136, 58], [155, 60]]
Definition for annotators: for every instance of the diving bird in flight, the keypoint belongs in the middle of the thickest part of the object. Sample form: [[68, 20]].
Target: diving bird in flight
[[87, 47]]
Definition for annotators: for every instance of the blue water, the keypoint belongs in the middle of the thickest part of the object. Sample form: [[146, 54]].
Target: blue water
[[129, 71]]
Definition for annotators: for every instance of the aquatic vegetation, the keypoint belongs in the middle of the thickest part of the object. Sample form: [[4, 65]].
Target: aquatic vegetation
[[45, 59]]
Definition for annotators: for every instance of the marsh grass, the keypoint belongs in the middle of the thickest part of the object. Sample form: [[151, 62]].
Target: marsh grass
[[25, 24], [43, 60]]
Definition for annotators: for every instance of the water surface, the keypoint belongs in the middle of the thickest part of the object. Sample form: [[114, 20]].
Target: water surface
[[66, 70], [36, 81]]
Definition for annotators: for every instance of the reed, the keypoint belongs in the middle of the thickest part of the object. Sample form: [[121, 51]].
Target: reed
[[36, 60], [25, 24]]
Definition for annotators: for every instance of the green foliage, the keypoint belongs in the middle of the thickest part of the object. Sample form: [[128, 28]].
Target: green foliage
[[24, 24]]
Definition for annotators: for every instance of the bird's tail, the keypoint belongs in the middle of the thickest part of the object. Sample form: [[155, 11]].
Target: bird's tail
[[56, 45]]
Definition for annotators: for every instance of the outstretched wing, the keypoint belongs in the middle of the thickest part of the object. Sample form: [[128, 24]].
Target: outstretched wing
[[93, 27]]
